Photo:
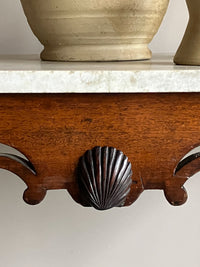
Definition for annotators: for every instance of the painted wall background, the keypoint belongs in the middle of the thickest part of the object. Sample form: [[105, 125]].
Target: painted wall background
[[17, 38], [60, 233]]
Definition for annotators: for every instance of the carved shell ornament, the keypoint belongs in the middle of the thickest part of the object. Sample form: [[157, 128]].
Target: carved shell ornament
[[104, 177]]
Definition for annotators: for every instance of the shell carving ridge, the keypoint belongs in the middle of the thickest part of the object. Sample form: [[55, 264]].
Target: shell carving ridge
[[104, 177]]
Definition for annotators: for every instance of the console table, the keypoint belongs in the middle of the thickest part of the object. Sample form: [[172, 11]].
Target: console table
[[103, 131]]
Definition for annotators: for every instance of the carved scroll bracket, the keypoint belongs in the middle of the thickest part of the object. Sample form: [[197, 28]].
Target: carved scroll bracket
[[104, 179]]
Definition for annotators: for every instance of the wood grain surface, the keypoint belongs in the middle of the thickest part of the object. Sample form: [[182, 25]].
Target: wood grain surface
[[54, 130]]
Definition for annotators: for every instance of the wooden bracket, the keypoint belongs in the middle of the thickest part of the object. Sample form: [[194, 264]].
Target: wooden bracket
[[155, 131], [104, 179]]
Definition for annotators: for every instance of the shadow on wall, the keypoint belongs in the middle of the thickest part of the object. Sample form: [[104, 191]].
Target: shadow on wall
[[172, 28], [59, 232], [16, 36]]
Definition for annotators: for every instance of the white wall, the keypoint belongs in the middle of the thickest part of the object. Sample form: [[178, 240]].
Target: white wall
[[17, 38], [60, 233]]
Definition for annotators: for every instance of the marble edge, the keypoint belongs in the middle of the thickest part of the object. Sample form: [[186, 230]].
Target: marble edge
[[99, 81]]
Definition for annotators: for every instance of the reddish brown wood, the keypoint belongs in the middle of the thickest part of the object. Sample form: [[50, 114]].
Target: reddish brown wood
[[54, 130]]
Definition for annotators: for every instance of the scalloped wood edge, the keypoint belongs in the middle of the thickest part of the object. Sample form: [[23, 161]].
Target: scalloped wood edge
[[155, 131]]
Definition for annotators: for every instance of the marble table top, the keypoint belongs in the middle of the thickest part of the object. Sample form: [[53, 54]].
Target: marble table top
[[27, 74]]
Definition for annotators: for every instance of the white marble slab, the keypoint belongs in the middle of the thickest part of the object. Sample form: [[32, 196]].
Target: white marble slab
[[27, 74]]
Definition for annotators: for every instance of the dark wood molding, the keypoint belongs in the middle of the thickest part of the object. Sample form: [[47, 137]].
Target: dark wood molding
[[155, 131]]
